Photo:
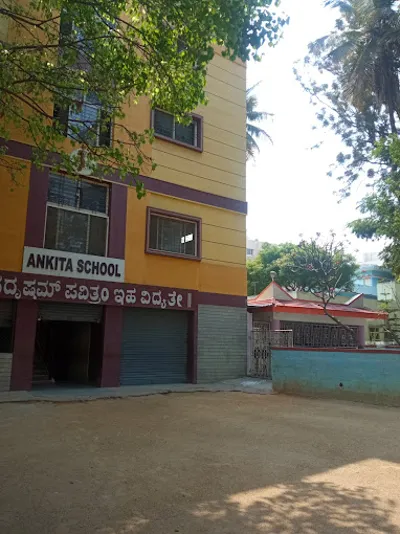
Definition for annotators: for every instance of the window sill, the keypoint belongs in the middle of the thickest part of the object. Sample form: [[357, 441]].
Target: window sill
[[172, 255], [176, 142]]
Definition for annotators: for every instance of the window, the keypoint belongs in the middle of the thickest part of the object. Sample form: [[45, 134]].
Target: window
[[77, 216], [249, 251], [173, 234], [167, 127], [375, 333], [85, 120]]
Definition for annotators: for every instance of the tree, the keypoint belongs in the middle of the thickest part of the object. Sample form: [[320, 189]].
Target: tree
[[253, 132], [60, 52], [304, 267], [272, 257], [359, 96], [324, 269], [367, 45], [381, 208], [390, 305]]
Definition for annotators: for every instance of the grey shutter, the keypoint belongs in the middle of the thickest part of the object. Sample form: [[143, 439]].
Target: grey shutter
[[6, 313], [83, 313], [154, 347]]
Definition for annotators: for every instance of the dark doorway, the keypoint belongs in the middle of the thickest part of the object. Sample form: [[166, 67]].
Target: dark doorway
[[67, 352]]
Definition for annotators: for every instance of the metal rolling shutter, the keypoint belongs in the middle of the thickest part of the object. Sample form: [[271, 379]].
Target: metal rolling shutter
[[6, 313], [154, 347], [83, 313]]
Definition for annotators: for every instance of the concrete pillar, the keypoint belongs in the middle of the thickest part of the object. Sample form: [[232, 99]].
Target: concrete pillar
[[112, 341], [24, 345], [361, 336], [275, 325]]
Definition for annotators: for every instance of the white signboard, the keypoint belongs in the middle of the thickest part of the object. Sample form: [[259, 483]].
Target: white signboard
[[70, 265]]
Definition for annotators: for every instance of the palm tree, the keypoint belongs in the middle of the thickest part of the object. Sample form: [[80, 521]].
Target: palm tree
[[366, 46], [253, 132]]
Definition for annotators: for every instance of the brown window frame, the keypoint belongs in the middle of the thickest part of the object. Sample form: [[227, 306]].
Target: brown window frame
[[177, 216], [196, 117]]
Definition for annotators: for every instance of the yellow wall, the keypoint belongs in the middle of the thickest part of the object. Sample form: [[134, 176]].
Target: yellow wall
[[223, 265], [221, 168], [13, 205]]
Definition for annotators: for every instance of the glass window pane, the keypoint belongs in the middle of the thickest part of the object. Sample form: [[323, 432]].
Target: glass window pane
[[173, 235], [72, 231], [51, 228], [97, 236], [63, 190], [171, 232], [83, 122], [185, 134], [163, 123], [93, 197], [189, 239], [153, 238]]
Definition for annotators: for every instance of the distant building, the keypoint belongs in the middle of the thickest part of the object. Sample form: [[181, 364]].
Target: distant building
[[372, 258], [278, 310], [253, 247], [368, 278]]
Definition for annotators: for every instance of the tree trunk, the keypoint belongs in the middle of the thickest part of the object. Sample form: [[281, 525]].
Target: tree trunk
[[392, 119], [339, 323]]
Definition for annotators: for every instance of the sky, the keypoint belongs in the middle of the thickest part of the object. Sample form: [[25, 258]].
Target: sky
[[288, 190]]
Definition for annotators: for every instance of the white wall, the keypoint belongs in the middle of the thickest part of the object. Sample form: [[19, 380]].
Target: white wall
[[253, 245]]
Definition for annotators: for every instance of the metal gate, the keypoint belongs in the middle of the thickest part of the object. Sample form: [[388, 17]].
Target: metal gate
[[154, 347], [262, 340], [81, 313]]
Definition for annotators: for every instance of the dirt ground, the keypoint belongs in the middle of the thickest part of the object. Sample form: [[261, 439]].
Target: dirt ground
[[223, 463]]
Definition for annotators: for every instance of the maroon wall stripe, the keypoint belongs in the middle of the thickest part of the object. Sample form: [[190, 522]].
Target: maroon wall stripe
[[36, 212], [17, 149], [194, 195], [117, 229], [112, 340], [24, 345], [21, 150], [217, 299]]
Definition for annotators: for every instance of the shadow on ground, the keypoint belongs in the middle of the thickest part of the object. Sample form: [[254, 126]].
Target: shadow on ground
[[200, 463], [304, 508]]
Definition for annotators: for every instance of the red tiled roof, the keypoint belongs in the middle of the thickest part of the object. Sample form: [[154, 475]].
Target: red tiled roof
[[312, 308]]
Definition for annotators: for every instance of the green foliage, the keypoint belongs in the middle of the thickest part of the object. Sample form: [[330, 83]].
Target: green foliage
[[311, 266], [323, 268], [359, 98], [119, 51], [271, 258], [253, 132], [381, 208]]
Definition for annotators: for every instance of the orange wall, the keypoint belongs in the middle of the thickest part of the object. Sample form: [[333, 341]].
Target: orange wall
[[216, 274], [13, 206]]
